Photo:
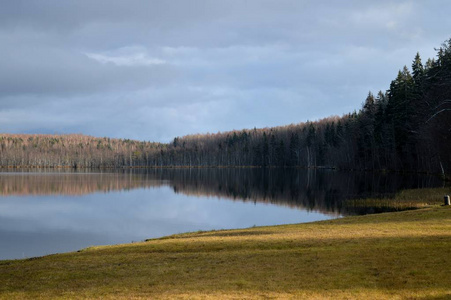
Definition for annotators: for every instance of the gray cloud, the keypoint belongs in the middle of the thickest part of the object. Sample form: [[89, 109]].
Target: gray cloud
[[153, 70], [40, 69]]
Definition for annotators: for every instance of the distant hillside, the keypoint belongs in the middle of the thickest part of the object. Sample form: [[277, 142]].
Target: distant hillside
[[73, 151], [407, 128]]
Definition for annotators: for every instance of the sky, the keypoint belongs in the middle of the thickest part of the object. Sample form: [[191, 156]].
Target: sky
[[154, 70]]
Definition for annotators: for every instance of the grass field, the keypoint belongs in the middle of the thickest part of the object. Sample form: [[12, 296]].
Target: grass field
[[397, 255]]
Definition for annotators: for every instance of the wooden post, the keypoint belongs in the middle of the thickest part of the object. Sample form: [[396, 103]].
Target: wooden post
[[447, 202]]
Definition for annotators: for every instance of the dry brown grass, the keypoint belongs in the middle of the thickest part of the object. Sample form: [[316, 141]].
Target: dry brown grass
[[402, 255]]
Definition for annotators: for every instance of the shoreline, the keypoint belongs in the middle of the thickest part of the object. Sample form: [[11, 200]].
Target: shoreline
[[329, 168], [388, 255]]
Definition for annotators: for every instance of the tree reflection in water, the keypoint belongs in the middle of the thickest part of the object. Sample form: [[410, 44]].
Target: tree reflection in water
[[325, 191]]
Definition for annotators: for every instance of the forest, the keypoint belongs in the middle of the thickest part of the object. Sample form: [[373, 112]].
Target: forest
[[405, 128]]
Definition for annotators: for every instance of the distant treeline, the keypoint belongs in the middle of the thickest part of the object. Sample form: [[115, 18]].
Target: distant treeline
[[407, 128]]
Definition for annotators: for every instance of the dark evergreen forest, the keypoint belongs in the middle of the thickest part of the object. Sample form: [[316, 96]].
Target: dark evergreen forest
[[406, 128]]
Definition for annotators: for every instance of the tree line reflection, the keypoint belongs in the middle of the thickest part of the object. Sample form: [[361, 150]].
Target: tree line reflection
[[325, 191]]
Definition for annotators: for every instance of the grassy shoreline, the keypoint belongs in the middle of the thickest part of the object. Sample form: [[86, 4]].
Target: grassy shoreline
[[397, 255]]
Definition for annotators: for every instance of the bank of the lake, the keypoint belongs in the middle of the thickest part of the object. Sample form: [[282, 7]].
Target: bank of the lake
[[390, 255]]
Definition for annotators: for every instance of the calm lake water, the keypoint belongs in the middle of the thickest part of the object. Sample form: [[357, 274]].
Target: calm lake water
[[50, 211]]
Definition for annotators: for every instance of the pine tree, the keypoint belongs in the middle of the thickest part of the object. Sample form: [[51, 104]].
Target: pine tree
[[418, 77], [294, 149]]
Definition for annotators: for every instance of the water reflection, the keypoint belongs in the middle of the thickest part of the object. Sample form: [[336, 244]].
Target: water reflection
[[314, 190], [43, 212]]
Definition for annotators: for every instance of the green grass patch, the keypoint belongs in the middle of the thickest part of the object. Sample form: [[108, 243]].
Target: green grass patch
[[400, 255]]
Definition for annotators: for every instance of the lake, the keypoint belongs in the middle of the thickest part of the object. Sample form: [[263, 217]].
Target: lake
[[51, 211]]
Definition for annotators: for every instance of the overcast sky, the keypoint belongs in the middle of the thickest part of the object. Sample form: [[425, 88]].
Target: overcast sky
[[153, 70]]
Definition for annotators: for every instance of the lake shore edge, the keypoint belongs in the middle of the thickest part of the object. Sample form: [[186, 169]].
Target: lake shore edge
[[389, 255]]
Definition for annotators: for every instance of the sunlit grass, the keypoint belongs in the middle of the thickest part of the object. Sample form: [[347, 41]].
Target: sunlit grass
[[398, 255]]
